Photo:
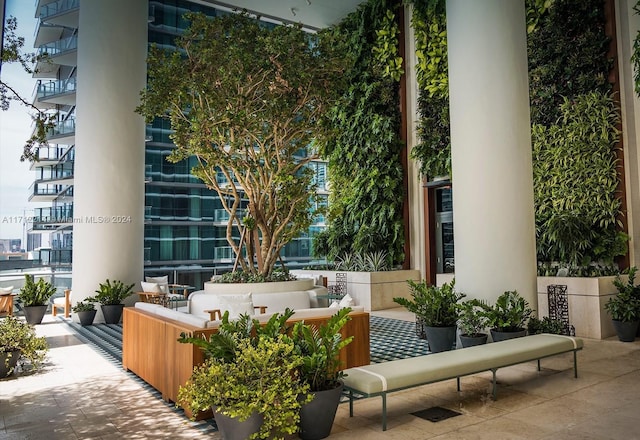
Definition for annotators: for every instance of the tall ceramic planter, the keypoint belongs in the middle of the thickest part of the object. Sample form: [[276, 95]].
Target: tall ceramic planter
[[8, 362], [34, 314], [626, 331], [112, 313], [440, 338], [317, 416], [232, 429]]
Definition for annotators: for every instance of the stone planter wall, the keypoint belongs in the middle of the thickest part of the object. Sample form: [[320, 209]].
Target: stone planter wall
[[372, 290], [239, 288]]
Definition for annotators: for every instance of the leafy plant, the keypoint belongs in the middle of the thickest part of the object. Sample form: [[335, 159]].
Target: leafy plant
[[264, 379], [386, 46], [112, 293], [35, 293], [433, 305], [509, 313], [545, 325], [240, 276], [84, 306], [635, 57], [472, 318], [320, 349], [250, 101], [18, 335], [363, 262], [625, 306]]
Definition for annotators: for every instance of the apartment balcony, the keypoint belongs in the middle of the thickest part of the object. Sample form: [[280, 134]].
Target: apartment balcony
[[64, 132], [61, 13], [60, 53], [48, 191], [49, 94], [221, 216], [46, 33], [48, 219], [52, 155]]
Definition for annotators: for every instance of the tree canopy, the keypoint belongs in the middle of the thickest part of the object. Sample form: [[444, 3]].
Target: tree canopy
[[249, 101]]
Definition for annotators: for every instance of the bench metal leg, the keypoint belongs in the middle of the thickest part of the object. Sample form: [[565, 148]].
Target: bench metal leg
[[575, 364], [495, 383], [538, 364], [384, 411], [458, 382], [350, 403]]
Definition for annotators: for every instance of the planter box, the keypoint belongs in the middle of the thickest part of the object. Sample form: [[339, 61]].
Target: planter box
[[372, 290], [587, 297]]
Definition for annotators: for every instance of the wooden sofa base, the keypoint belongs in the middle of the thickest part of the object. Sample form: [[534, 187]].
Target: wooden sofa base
[[151, 350]]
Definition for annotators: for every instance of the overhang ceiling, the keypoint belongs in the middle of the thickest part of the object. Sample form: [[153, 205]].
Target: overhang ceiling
[[313, 14]]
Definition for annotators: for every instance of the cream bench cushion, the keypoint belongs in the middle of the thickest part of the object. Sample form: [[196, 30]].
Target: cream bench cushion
[[379, 379]]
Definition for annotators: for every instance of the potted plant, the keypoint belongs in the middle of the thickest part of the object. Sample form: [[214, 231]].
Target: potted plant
[[624, 308], [321, 370], [436, 308], [35, 298], [472, 321], [19, 343], [110, 296], [251, 379], [546, 325], [508, 316], [86, 311]]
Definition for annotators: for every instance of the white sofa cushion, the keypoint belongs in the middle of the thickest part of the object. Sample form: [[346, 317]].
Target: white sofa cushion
[[150, 287], [6, 290], [236, 305], [163, 282], [275, 301]]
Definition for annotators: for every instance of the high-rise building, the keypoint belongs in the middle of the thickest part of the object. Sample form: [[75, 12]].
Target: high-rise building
[[184, 222]]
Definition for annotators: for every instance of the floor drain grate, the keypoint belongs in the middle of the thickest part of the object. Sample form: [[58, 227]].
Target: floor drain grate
[[436, 414]]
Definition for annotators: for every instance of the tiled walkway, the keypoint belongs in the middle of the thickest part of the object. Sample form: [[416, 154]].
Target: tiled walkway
[[81, 395]]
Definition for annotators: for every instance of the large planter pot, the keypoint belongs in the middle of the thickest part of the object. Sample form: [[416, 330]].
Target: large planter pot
[[497, 335], [34, 314], [626, 331], [8, 362], [317, 416], [472, 341], [232, 429], [86, 317], [112, 313], [440, 338]]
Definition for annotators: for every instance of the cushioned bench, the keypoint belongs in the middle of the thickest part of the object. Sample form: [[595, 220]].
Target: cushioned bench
[[380, 379]]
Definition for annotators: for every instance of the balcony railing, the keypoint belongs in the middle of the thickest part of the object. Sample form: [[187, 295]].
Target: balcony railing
[[65, 127], [58, 7], [60, 46], [52, 88], [62, 214], [222, 215]]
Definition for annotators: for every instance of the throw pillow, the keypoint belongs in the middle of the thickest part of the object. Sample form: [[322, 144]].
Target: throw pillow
[[347, 301], [334, 305], [236, 305], [150, 287], [163, 282]]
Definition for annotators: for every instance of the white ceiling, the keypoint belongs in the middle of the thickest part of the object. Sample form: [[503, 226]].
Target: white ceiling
[[314, 14]]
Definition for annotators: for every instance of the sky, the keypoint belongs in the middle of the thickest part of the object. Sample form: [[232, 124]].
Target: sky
[[15, 129]]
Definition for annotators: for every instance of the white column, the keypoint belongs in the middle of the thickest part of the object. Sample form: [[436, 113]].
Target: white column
[[108, 236], [627, 27], [415, 189], [491, 149]]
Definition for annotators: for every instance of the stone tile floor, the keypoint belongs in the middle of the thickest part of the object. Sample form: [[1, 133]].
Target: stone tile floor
[[81, 395]]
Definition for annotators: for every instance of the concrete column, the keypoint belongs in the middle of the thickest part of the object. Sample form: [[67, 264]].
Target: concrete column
[[108, 236], [627, 27], [491, 149], [415, 189]]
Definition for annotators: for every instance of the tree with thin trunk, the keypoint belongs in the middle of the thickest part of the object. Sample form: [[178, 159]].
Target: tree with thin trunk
[[248, 100]]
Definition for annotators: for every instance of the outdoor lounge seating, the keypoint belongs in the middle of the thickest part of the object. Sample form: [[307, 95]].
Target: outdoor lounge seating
[[6, 301], [62, 302], [381, 379]]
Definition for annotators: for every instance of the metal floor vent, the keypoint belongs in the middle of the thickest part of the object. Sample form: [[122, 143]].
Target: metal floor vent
[[435, 414]]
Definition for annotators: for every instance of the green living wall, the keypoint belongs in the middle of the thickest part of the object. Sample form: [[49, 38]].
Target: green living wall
[[573, 127], [365, 170]]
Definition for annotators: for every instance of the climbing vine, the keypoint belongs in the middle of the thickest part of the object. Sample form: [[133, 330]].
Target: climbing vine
[[635, 57], [365, 206], [385, 49]]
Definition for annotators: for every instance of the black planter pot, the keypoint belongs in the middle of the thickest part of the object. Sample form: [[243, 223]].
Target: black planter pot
[[34, 314], [8, 362], [317, 416], [497, 336], [440, 338], [626, 331], [232, 429], [112, 313], [472, 341], [86, 317]]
